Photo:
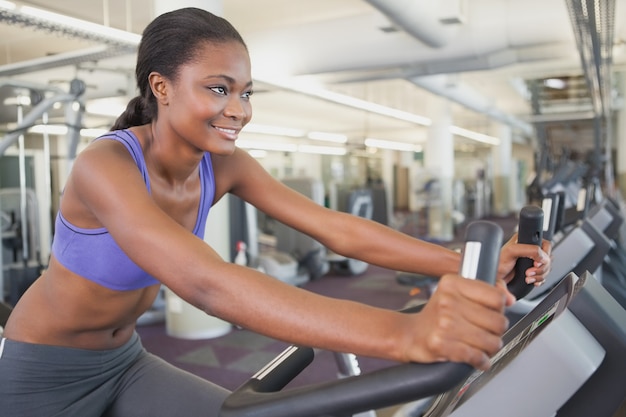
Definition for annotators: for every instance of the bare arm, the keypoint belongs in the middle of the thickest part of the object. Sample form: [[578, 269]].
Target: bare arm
[[356, 237], [111, 189]]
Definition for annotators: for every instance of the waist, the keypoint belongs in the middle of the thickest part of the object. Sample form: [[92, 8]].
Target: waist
[[63, 309], [32, 352]]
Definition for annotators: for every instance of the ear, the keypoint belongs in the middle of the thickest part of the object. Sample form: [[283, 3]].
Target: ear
[[159, 87]]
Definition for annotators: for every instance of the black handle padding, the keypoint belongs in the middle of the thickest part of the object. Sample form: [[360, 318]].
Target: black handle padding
[[483, 241], [550, 207], [530, 232], [261, 395]]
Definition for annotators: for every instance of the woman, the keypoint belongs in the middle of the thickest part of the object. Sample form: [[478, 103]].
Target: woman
[[130, 219]]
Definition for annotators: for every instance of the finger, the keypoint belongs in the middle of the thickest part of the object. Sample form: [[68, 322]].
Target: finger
[[534, 252], [478, 292], [461, 352], [509, 297], [460, 340]]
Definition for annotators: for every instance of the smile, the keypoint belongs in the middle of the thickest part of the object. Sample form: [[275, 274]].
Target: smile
[[228, 131]]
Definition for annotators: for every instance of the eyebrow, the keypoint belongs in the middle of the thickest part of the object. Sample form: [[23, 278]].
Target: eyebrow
[[229, 79]]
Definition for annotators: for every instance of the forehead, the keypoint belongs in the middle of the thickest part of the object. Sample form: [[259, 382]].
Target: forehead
[[229, 58]]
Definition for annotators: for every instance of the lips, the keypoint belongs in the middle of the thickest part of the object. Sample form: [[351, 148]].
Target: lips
[[232, 133]]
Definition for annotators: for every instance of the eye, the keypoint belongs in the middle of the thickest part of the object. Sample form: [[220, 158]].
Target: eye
[[219, 90], [247, 94]]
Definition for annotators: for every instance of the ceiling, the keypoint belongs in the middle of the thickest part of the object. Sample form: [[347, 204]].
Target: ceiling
[[482, 56]]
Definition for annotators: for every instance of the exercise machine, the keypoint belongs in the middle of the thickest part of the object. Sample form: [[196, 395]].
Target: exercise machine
[[262, 396], [311, 254], [566, 354]]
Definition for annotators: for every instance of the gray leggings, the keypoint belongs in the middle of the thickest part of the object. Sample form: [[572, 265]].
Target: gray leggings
[[52, 381]]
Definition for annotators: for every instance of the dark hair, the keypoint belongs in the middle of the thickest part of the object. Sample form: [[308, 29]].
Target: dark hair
[[169, 41]]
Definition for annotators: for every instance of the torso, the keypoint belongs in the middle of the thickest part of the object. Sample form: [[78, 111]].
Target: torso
[[64, 309]]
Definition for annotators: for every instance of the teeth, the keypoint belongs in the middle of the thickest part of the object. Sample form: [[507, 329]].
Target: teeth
[[221, 129]]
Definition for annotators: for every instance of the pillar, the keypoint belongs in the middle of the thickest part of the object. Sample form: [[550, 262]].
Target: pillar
[[439, 160], [182, 319], [502, 160]]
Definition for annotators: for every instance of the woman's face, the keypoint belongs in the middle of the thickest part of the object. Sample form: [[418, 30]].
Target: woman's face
[[209, 103]]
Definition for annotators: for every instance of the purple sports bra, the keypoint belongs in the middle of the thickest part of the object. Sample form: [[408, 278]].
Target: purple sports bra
[[94, 255]]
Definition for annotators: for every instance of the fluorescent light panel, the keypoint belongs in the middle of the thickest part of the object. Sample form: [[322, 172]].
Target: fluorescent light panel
[[274, 130], [60, 130], [327, 137], [7, 5], [393, 145], [479, 137]]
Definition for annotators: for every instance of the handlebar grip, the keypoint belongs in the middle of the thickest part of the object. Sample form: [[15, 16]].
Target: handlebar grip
[[530, 232], [550, 206], [481, 255]]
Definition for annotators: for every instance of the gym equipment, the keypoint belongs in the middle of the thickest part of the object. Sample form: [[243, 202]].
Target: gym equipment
[[23, 233], [19, 250], [276, 262], [261, 396], [581, 249], [530, 347], [5, 311], [309, 253], [530, 231], [574, 368]]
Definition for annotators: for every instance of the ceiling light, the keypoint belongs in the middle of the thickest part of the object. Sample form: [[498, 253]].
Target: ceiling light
[[328, 137], [17, 101], [393, 145], [111, 106], [319, 92], [274, 130], [324, 150], [267, 146], [92, 132], [479, 137], [257, 153], [556, 83], [7, 5], [49, 129], [61, 130]]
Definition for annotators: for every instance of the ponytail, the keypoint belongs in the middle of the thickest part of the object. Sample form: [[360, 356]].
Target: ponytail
[[135, 114]]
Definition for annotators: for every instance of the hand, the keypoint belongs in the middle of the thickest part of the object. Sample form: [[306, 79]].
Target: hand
[[513, 250], [462, 322]]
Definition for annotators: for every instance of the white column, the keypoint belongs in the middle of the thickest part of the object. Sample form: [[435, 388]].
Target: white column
[[439, 161], [182, 319], [502, 160]]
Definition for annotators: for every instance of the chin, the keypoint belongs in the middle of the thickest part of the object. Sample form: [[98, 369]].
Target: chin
[[225, 150]]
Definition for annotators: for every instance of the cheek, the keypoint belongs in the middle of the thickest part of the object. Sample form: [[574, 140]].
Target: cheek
[[197, 109], [248, 110]]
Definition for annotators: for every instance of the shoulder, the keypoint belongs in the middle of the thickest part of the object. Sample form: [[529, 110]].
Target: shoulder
[[239, 171]]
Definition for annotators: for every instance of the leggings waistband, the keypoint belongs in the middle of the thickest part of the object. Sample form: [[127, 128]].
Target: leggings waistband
[[25, 351]]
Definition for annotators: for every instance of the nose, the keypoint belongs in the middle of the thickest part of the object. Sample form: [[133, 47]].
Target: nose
[[237, 108]]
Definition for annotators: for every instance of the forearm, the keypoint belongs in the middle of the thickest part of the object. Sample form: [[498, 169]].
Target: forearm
[[380, 245], [270, 307]]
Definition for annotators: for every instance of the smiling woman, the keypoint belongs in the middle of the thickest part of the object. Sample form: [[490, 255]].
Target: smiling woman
[[132, 216]]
